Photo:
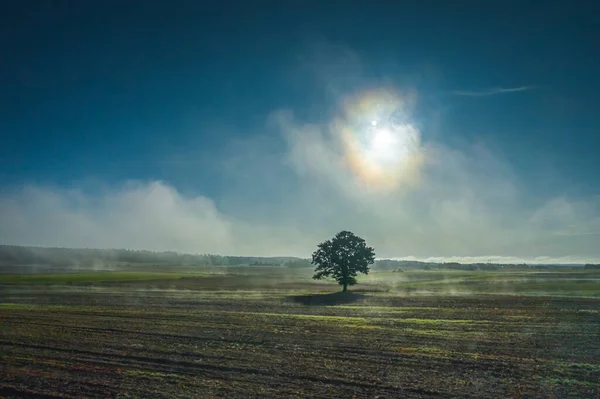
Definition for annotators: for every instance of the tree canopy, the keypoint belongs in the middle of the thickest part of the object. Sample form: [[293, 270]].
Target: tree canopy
[[342, 258]]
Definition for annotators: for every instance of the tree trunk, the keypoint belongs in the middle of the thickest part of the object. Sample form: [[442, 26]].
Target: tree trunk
[[345, 289]]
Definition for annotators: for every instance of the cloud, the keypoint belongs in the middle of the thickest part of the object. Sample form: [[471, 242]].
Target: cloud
[[563, 217], [442, 221], [299, 183], [492, 92], [135, 215]]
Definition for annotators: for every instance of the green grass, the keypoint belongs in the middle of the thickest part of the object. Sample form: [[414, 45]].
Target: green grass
[[217, 336], [562, 282], [92, 277], [239, 283]]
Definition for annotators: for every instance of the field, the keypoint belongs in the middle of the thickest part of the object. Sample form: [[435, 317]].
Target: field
[[273, 332]]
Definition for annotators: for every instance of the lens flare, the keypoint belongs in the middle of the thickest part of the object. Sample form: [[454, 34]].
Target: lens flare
[[380, 146]]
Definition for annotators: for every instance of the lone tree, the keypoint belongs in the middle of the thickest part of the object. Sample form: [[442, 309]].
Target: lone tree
[[342, 258]]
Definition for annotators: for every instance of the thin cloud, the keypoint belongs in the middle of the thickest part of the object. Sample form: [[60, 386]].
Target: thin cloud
[[492, 92], [282, 194]]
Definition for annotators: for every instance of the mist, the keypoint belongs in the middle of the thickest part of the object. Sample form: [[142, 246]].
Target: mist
[[435, 202]]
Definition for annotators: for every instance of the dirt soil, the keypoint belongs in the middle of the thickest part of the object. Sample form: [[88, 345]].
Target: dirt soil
[[111, 342]]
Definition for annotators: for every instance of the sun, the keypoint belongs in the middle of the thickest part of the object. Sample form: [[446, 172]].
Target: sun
[[384, 146], [380, 145], [383, 143]]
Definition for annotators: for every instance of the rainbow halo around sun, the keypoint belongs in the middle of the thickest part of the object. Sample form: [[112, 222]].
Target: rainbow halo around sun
[[380, 145]]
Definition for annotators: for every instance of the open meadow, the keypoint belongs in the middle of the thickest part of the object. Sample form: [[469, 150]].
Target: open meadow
[[251, 332]]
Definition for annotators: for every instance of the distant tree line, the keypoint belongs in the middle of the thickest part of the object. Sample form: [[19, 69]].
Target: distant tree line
[[15, 255], [298, 263], [394, 264], [400, 265], [18, 255]]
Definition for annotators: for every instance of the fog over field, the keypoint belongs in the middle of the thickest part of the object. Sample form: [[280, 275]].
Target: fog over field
[[462, 203], [299, 199]]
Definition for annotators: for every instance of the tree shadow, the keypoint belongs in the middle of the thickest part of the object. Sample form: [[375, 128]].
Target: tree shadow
[[336, 298]]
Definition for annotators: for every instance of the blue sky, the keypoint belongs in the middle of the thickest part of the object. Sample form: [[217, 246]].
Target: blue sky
[[210, 127]]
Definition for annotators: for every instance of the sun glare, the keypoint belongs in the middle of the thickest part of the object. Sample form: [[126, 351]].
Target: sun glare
[[381, 146]]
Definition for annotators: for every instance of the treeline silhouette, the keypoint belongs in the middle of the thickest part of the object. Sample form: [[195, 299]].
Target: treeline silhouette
[[18, 255], [400, 265], [14, 255]]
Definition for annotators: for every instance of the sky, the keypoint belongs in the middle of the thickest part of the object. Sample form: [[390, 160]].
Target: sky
[[463, 131]]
